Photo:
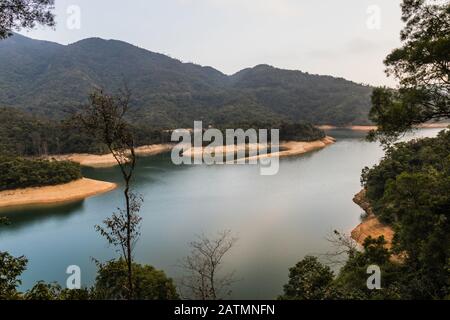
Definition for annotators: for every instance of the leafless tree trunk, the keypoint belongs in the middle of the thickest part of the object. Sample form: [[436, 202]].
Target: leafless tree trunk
[[104, 118], [344, 246], [203, 280]]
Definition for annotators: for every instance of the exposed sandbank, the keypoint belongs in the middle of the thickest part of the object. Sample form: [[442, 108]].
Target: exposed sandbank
[[153, 149], [228, 149], [295, 148], [353, 128], [72, 191], [287, 149], [87, 160], [370, 128], [362, 128], [108, 160], [371, 226]]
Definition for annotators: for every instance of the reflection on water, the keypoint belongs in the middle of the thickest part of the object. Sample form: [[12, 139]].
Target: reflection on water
[[346, 134], [279, 219], [20, 217]]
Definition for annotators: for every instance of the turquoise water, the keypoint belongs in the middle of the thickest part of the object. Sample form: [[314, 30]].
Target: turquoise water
[[278, 219]]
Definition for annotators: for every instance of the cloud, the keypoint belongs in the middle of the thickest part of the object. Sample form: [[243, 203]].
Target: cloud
[[321, 54], [284, 8], [361, 46]]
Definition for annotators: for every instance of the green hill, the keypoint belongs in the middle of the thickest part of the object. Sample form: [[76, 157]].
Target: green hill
[[52, 80]]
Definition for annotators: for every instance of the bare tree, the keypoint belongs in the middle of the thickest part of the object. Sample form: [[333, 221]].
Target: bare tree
[[116, 227], [343, 247], [104, 118], [203, 280]]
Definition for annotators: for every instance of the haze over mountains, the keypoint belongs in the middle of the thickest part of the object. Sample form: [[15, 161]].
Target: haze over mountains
[[50, 80]]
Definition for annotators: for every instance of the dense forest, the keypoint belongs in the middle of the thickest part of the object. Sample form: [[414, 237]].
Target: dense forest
[[22, 173], [22, 134], [50, 79], [410, 188], [410, 191]]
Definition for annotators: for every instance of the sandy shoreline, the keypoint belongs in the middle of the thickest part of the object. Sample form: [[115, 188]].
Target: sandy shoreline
[[370, 226], [228, 149], [84, 188], [153, 149], [370, 128], [107, 160], [72, 191], [287, 149], [295, 148]]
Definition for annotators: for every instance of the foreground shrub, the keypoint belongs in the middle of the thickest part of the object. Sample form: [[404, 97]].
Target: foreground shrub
[[148, 283]]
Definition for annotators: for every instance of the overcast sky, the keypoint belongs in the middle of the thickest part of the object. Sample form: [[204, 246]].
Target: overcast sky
[[347, 38]]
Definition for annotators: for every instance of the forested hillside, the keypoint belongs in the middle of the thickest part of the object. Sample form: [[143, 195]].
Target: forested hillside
[[16, 173], [22, 134], [53, 80], [410, 190]]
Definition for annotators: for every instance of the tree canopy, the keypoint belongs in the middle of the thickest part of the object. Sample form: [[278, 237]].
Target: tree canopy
[[422, 67], [410, 190], [18, 173], [148, 283], [10, 270], [18, 14], [310, 279]]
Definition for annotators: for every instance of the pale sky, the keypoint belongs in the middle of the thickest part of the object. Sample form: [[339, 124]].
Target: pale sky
[[346, 38]]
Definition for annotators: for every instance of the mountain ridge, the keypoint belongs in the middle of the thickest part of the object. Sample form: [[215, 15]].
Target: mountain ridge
[[52, 80]]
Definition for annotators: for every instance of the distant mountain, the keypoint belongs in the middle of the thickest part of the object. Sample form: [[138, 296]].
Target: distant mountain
[[50, 79]]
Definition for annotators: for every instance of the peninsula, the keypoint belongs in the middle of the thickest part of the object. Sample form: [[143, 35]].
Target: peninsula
[[67, 192]]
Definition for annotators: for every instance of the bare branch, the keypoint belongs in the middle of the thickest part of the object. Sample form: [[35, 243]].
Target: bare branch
[[202, 280]]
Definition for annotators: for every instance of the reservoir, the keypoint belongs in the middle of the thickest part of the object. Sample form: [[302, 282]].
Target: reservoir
[[278, 219]]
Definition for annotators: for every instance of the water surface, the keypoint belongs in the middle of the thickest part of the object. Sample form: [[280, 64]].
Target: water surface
[[278, 219]]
